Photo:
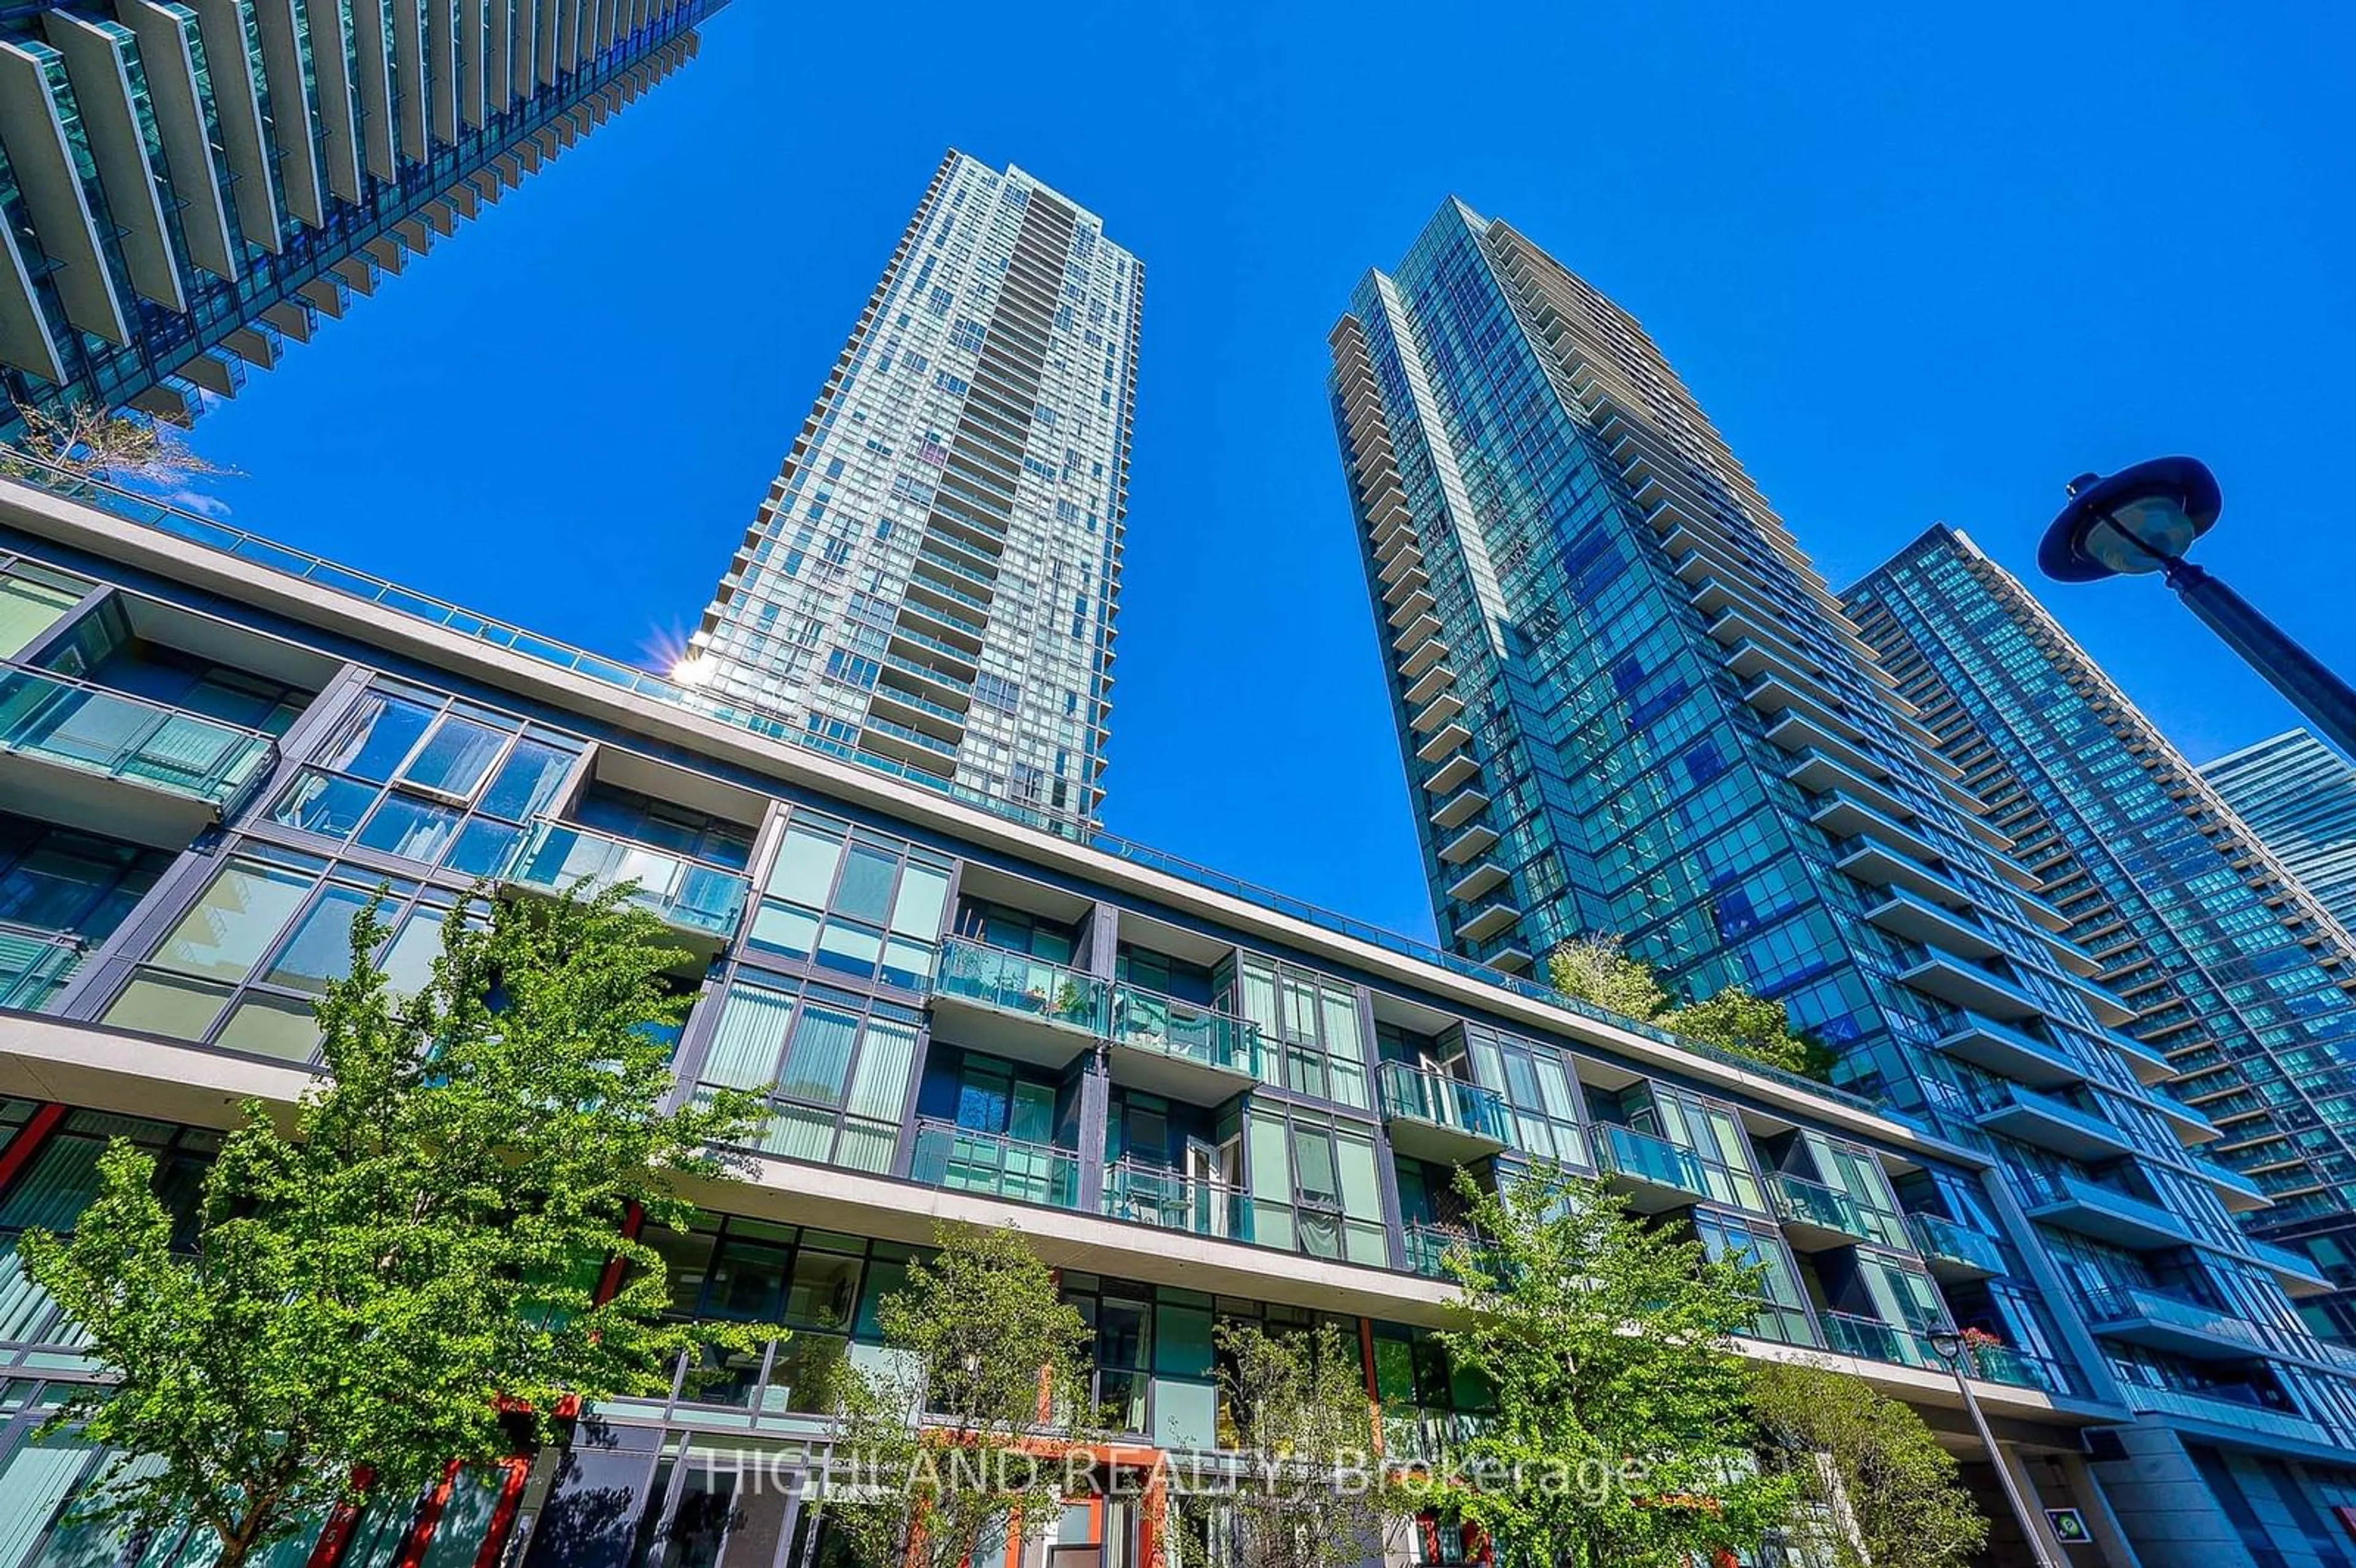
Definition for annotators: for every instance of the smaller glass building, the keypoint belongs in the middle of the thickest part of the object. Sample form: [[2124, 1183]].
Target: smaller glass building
[[2235, 972], [2299, 796]]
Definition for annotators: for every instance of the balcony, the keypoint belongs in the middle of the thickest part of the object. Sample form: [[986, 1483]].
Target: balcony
[[1955, 1252], [2237, 1192], [993, 1165], [2164, 1321], [1170, 1200], [1180, 1050], [1871, 1340], [1429, 1245], [2106, 1213], [35, 964], [1435, 680], [1816, 1217], [1967, 985], [1474, 840], [1445, 1120], [1452, 774], [695, 899], [1490, 918], [1019, 1006], [1877, 865], [1657, 1174], [2293, 1269], [2243, 1407], [2010, 1052], [1846, 816], [2148, 1063], [82, 756], [2053, 1124], [1914, 919], [1479, 879], [1461, 807]]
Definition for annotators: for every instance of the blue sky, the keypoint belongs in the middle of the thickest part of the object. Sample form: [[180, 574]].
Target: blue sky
[[1918, 263]]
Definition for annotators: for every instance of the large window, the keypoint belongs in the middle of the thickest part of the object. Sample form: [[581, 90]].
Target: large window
[[32, 600], [1314, 1186], [1541, 1090], [1310, 1025], [413, 774], [245, 966], [1784, 1304], [823, 1287], [835, 1066], [859, 904]]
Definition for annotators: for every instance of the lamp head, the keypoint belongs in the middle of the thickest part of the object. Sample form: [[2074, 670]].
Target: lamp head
[[1947, 1344], [2140, 519]]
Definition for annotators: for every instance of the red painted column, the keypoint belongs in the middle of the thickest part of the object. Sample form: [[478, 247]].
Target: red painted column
[[28, 1141]]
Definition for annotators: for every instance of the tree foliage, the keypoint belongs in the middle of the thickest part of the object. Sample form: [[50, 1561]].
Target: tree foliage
[[1736, 1021], [982, 1344], [1887, 1495], [1303, 1421], [108, 444], [1596, 969], [1621, 1434], [414, 1267]]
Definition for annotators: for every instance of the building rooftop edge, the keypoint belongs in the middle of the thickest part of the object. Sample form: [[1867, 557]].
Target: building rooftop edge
[[157, 546]]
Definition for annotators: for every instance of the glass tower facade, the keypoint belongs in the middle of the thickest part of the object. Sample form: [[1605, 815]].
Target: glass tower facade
[[2299, 796], [2234, 971], [186, 188], [930, 585], [1627, 704]]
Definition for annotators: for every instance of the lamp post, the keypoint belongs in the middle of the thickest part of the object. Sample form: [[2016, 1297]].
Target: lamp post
[[2142, 520], [1951, 1348]]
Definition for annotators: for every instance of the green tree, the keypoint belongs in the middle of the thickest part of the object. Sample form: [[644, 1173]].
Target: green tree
[[981, 1346], [1300, 1414], [1735, 1020], [1622, 1435], [1884, 1493], [414, 1266], [1598, 970]]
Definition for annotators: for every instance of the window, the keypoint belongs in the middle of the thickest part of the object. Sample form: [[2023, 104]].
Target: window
[[1309, 1022], [859, 904], [1314, 1186], [835, 1065], [32, 600], [411, 774], [243, 966]]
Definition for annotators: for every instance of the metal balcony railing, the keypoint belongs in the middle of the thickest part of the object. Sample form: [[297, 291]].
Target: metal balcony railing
[[1170, 1199], [1017, 983], [686, 894], [73, 724], [961, 1159], [1191, 1031], [1428, 1096]]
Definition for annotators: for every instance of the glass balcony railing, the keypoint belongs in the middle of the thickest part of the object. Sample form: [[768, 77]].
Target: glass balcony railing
[[1943, 1240], [2234, 1404], [2003, 1364], [73, 724], [685, 894], [1640, 1156], [1434, 1097], [1169, 1199], [1871, 1340], [960, 1159], [2120, 1304], [1429, 1245], [35, 964], [1191, 1031], [1015, 982], [1805, 1202]]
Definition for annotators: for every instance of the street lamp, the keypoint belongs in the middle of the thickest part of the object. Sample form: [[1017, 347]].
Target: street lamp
[[1951, 1348], [2142, 520]]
